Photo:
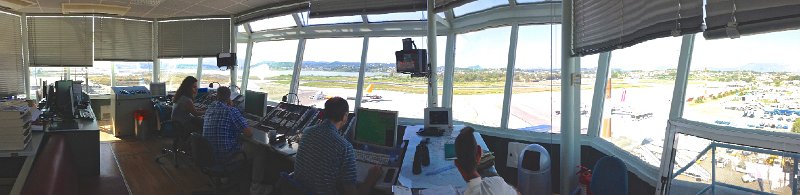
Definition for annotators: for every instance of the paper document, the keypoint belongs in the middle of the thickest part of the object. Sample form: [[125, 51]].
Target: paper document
[[443, 190]]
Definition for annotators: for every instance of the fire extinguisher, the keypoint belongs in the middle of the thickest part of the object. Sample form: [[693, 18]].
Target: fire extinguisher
[[584, 179]]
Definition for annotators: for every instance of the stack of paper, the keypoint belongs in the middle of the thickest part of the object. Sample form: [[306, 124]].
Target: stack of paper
[[15, 120]]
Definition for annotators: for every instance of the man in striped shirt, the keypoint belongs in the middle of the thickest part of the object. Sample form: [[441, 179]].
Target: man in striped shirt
[[325, 162]]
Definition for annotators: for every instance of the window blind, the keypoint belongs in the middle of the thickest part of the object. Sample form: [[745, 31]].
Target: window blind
[[194, 38], [604, 25], [60, 41], [118, 39], [274, 10], [11, 76], [330, 8], [734, 18]]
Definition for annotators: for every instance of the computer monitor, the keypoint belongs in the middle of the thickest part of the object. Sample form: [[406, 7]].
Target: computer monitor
[[438, 117], [255, 103], [158, 89], [64, 98], [376, 127]]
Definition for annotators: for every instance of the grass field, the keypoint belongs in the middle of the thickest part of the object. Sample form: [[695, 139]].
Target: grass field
[[419, 85]]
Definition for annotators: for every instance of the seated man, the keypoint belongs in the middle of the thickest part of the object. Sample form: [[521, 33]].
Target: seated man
[[222, 126], [325, 162], [468, 154]]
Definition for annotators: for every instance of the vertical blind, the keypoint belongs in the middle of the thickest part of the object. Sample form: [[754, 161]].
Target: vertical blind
[[118, 39], [604, 25], [11, 75], [60, 41], [194, 38], [733, 18]]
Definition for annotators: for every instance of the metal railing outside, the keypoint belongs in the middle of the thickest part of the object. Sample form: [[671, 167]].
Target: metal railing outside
[[714, 183]]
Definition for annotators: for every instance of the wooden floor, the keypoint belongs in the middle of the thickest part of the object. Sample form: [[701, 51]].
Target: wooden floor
[[144, 176]]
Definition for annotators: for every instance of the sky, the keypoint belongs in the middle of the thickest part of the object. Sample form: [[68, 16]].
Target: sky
[[538, 47]]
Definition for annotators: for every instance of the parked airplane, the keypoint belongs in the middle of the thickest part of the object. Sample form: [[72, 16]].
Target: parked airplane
[[370, 97]]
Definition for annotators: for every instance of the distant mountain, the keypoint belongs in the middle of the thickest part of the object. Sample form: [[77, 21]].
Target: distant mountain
[[758, 67], [328, 66], [765, 67]]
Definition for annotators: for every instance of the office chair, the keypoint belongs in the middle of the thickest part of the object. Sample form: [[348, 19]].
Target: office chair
[[179, 144], [164, 118], [609, 177], [205, 160], [287, 185]]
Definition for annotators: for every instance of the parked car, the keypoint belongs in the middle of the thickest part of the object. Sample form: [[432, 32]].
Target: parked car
[[746, 178]]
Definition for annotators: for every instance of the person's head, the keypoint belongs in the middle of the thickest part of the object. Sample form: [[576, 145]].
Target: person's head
[[468, 153], [188, 88], [224, 95], [336, 110]]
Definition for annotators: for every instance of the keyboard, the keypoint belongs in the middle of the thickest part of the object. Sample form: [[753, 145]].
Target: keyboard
[[372, 157], [387, 178], [252, 123]]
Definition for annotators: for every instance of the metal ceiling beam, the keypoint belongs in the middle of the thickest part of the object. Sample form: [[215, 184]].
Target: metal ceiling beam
[[387, 29], [441, 21], [540, 13]]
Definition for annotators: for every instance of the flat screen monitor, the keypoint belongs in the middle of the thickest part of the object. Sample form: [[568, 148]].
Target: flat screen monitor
[[255, 103], [411, 61], [226, 59], [376, 127], [438, 117], [64, 98]]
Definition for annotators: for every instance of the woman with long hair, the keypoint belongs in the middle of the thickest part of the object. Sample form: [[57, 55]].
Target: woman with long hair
[[183, 110]]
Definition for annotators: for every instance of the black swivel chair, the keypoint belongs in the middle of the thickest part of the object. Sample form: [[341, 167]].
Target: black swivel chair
[[180, 144], [204, 159]]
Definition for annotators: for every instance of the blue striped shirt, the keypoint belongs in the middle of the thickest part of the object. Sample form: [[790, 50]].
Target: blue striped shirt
[[222, 125], [324, 160]]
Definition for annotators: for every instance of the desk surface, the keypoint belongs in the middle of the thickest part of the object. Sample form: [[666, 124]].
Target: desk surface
[[440, 172], [83, 125], [262, 138]]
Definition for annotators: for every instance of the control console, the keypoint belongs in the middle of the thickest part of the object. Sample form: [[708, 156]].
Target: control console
[[289, 119]]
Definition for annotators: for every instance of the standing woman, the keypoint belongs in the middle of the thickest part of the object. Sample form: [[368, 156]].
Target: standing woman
[[183, 110]]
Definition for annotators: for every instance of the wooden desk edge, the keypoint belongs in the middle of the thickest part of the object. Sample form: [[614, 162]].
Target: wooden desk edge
[[26, 167]]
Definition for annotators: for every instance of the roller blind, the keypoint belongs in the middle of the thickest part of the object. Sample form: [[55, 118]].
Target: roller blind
[[733, 18], [604, 25], [60, 41], [330, 8], [119, 39], [11, 76], [272, 11], [194, 38]]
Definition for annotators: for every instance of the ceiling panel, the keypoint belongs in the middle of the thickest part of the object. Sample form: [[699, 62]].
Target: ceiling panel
[[30, 9], [120, 3], [162, 8], [50, 4], [139, 9], [84, 1], [163, 11], [237, 8], [218, 4], [205, 10], [175, 4]]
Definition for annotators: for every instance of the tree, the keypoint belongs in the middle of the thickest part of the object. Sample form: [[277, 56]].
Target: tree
[[796, 126]]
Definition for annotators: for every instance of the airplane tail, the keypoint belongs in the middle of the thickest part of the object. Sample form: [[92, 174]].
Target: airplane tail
[[370, 88]]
